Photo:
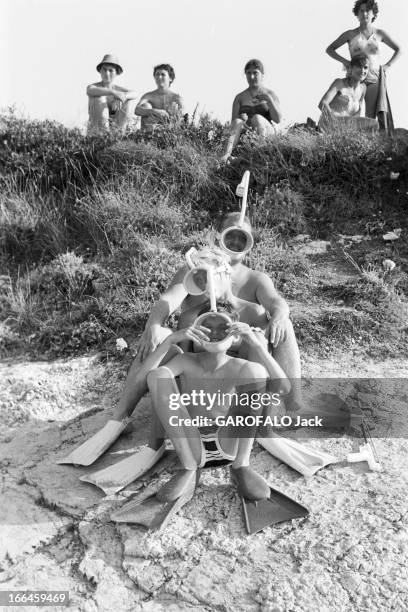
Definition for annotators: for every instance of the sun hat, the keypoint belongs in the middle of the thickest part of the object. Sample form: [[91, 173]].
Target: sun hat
[[110, 59]]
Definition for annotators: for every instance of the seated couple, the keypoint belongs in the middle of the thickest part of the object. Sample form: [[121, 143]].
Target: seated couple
[[341, 105], [241, 342], [114, 107]]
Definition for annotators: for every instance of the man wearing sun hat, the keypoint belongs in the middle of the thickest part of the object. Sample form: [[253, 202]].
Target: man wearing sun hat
[[110, 106]]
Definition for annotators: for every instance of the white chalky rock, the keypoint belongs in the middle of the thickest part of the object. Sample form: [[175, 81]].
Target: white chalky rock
[[388, 265], [394, 235], [121, 345]]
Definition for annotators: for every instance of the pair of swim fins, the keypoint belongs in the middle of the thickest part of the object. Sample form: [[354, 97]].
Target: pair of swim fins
[[148, 508], [114, 478]]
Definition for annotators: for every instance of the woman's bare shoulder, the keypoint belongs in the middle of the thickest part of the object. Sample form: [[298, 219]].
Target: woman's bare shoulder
[[241, 95], [346, 36]]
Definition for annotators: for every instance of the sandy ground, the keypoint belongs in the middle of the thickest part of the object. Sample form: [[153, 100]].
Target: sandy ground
[[349, 554]]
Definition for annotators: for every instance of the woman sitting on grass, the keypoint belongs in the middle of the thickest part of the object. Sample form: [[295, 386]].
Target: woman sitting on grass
[[256, 107], [341, 104]]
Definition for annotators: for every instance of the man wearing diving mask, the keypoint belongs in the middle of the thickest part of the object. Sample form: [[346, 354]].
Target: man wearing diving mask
[[251, 293]]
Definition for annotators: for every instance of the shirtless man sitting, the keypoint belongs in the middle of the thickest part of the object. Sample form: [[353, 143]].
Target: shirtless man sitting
[[251, 294], [253, 287], [160, 106], [109, 104]]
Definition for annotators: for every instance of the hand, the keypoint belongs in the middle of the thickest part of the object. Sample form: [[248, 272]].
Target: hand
[[174, 109], [346, 64], [262, 97], [116, 105], [149, 341], [160, 113], [119, 95], [196, 334], [386, 67], [245, 331], [277, 330]]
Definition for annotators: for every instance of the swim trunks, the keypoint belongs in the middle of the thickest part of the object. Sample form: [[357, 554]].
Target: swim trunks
[[212, 454]]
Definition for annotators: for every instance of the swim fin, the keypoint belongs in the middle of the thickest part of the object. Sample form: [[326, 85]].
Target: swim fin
[[116, 477], [88, 452], [262, 505], [302, 458], [154, 508]]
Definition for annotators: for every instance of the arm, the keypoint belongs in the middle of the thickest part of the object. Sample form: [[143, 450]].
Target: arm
[[387, 40], [130, 94], [363, 93], [181, 109], [324, 104], [277, 308], [339, 42], [144, 108], [194, 334], [235, 108], [272, 101], [97, 91], [162, 309], [267, 368]]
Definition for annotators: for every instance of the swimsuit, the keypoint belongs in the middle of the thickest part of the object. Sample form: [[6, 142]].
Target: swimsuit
[[257, 109], [344, 103], [360, 45], [212, 453]]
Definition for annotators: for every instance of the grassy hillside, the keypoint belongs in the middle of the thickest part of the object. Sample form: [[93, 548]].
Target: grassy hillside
[[91, 229]]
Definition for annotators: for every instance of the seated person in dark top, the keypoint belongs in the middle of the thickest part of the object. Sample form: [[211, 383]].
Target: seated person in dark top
[[256, 107]]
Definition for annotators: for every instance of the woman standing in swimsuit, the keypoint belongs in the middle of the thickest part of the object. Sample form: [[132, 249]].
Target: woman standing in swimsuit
[[256, 107], [366, 39], [341, 104]]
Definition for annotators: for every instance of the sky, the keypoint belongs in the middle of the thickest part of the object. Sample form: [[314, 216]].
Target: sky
[[51, 48]]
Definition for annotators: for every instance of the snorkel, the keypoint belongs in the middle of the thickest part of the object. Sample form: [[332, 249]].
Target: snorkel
[[196, 280], [219, 345], [230, 234]]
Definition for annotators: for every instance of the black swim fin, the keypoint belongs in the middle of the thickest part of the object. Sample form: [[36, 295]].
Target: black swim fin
[[262, 505], [275, 509], [147, 509]]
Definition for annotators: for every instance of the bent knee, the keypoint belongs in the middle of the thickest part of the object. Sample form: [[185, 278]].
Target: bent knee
[[237, 123], [160, 373], [100, 101], [146, 105], [257, 119]]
